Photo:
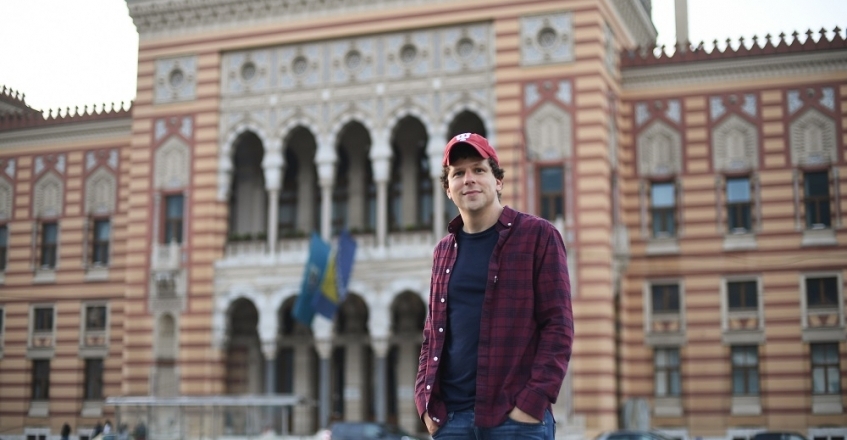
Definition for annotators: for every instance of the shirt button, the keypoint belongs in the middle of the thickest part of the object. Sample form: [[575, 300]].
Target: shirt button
[[440, 329], [427, 387], [508, 224], [435, 358], [448, 270], [442, 300]]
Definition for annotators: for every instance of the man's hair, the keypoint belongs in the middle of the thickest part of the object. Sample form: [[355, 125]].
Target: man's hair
[[464, 152]]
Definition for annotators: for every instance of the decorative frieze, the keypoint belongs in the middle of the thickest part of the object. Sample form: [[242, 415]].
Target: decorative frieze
[[547, 39], [175, 79]]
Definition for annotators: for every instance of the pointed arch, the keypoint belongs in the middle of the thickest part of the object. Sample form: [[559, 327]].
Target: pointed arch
[[813, 139], [100, 192], [7, 192], [735, 145], [172, 162], [49, 196], [227, 150], [550, 133], [659, 150]]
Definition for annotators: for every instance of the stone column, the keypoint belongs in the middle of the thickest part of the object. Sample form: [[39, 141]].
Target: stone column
[[269, 350], [354, 382], [273, 212], [272, 165], [380, 350], [380, 156], [407, 368], [305, 376], [435, 151], [324, 348], [325, 160]]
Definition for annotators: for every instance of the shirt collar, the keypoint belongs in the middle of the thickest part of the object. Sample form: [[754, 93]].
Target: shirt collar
[[506, 220]]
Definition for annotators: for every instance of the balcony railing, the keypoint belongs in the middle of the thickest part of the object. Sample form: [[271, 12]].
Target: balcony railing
[[405, 244]]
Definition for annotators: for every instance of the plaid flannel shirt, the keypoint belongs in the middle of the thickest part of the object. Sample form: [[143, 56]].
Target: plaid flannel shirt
[[526, 329]]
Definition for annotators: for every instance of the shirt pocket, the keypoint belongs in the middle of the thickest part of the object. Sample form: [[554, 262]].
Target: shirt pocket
[[516, 273]]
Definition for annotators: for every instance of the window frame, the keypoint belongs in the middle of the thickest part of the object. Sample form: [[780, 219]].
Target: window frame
[[825, 367], [39, 317], [38, 367], [93, 391], [828, 303], [177, 224], [750, 372], [672, 372], [550, 199], [819, 201], [666, 298], [4, 246], [754, 283], [100, 247], [48, 251], [667, 214], [739, 207]]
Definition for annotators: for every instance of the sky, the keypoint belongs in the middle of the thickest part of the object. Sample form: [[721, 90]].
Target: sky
[[66, 53]]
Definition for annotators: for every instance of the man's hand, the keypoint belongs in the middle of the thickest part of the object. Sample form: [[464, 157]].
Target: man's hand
[[430, 424], [519, 416]]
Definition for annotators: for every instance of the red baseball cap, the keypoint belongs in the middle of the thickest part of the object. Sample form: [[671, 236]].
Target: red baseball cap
[[479, 143]]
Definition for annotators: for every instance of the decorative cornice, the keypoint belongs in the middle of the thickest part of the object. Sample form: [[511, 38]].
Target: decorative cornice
[[650, 55], [734, 69], [35, 119], [13, 102], [168, 17], [61, 134], [637, 21]]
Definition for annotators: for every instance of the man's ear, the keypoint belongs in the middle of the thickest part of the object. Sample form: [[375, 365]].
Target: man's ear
[[449, 195]]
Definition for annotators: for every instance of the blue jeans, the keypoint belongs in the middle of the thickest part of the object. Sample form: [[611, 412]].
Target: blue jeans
[[460, 426]]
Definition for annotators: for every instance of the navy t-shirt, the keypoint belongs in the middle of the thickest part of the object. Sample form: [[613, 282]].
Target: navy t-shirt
[[465, 294]]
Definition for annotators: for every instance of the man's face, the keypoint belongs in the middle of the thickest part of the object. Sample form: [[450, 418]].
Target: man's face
[[471, 185]]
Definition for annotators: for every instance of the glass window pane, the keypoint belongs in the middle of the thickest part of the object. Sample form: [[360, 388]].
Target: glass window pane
[[754, 381], [738, 381], [816, 184], [661, 383], [552, 180], [101, 230], [662, 195], [673, 358], [833, 385], [675, 383], [738, 190], [4, 240], [818, 381], [174, 206], [50, 232]]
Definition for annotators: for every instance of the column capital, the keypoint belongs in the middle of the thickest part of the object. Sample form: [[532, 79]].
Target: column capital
[[269, 349], [380, 346], [324, 348], [272, 165]]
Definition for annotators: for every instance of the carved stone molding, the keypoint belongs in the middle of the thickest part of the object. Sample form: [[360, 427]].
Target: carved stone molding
[[724, 71], [158, 17]]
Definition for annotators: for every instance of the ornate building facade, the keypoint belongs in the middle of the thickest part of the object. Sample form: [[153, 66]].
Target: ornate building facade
[[159, 250]]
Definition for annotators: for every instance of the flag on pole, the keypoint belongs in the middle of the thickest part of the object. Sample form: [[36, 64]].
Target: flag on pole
[[333, 287], [313, 275]]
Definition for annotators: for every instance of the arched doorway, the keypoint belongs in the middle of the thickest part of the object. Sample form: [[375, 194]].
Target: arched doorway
[[352, 363], [296, 368], [408, 313]]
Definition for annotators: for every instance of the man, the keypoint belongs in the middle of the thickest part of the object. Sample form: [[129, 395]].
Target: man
[[498, 335]]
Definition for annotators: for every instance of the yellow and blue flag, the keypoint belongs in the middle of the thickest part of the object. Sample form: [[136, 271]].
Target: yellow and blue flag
[[319, 251], [336, 277]]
